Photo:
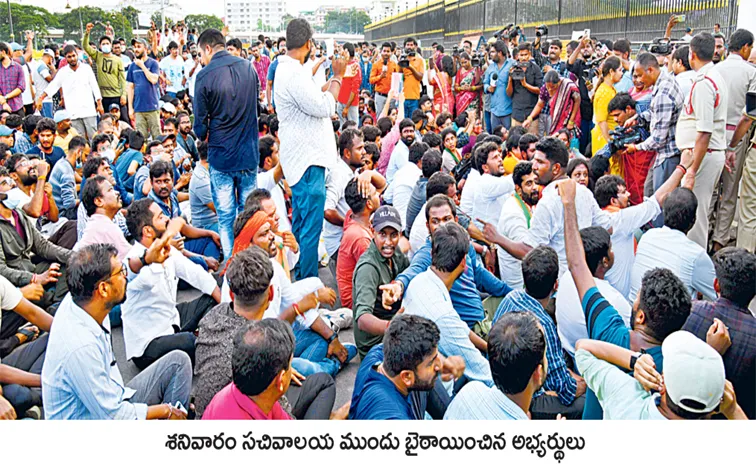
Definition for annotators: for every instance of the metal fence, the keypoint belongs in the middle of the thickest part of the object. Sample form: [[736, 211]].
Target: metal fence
[[448, 21]]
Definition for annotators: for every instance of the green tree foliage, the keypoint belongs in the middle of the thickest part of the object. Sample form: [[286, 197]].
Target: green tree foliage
[[352, 21], [72, 24], [158, 20], [25, 18], [202, 22]]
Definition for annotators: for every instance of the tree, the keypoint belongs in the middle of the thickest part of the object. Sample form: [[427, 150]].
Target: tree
[[26, 18], [73, 24], [158, 20], [202, 22], [286, 20], [352, 21], [259, 24]]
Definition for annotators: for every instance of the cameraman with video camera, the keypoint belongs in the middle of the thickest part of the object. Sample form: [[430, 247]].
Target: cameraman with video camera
[[413, 67], [666, 104], [524, 86]]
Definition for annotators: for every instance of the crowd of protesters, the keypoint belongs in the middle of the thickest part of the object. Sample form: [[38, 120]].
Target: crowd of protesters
[[515, 230]]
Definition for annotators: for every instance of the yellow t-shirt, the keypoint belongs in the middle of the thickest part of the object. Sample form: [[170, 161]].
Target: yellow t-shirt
[[604, 94], [62, 142]]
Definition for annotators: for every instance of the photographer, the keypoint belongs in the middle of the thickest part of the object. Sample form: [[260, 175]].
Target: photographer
[[501, 102], [413, 75], [636, 165], [661, 117], [553, 59], [524, 86], [579, 63]]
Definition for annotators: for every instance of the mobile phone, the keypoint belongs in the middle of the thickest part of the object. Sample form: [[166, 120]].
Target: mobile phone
[[680, 18]]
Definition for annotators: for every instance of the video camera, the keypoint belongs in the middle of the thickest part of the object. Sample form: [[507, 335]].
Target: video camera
[[661, 46], [622, 136], [517, 72], [455, 50], [405, 56], [503, 31], [591, 67]]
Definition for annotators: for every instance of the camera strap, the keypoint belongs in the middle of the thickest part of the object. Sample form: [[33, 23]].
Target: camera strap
[[689, 107]]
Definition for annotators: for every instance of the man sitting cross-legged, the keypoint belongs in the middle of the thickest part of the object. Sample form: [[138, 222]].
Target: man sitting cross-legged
[[262, 373], [153, 324]]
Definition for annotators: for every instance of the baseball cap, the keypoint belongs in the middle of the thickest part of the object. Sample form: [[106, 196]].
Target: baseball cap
[[165, 137], [687, 29], [60, 115], [168, 107], [143, 42], [114, 106], [5, 131], [15, 46], [49, 53], [693, 373], [387, 216]]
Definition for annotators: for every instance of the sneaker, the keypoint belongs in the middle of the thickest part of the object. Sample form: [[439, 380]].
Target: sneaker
[[338, 319]]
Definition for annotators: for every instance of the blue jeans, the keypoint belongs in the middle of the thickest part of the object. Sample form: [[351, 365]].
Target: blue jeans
[[661, 174], [230, 190], [209, 226], [585, 134], [47, 109], [487, 121], [409, 107], [203, 246], [308, 205], [310, 354], [497, 121]]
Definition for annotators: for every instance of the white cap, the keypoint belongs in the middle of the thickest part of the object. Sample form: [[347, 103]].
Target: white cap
[[693, 371], [168, 107], [49, 53]]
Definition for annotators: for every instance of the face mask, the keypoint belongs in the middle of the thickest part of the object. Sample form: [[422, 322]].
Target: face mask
[[12, 203], [109, 154], [106, 49]]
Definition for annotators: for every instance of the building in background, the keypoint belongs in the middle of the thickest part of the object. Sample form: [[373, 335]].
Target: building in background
[[247, 15], [379, 9]]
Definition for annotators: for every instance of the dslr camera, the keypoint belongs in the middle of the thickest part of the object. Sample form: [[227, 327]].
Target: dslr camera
[[475, 59], [541, 30], [501, 33], [514, 33]]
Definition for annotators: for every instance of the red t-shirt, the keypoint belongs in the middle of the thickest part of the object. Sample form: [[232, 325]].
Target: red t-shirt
[[349, 85], [354, 243], [231, 404]]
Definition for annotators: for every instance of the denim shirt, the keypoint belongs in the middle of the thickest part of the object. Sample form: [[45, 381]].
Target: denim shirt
[[171, 211], [501, 103]]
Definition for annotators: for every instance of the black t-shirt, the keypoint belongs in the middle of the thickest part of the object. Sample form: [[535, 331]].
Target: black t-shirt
[[586, 107], [523, 101]]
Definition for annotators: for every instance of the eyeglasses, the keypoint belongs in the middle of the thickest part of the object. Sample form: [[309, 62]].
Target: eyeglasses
[[7, 182], [121, 271]]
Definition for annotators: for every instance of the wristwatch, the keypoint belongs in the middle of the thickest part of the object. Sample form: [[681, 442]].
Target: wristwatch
[[143, 258], [332, 338], [633, 360]]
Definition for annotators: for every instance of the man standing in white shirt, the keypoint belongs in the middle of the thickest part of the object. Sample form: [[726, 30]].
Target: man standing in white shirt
[[741, 79], [43, 73], [80, 90], [493, 187], [172, 67], [192, 66], [304, 112], [153, 325], [702, 128], [405, 180], [514, 220], [352, 150]]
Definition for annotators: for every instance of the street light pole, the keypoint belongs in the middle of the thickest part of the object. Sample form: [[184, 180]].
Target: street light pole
[[10, 20]]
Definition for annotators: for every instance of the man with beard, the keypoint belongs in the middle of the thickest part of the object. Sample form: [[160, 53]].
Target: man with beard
[[407, 362], [81, 91], [45, 149], [352, 150], [380, 77], [65, 132], [400, 154], [153, 323], [582, 53], [379, 265], [184, 138], [31, 187], [201, 245], [142, 90], [98, 166], [553, 59], [428, 296], [501, 103], [514, 220], [63, 177], [102, 202], [720, 50], [493, 186], [517, 356], [79, 378]]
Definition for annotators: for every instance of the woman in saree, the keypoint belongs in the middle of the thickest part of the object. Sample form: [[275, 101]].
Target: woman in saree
[[467, 85], [563, 103], [443, 98]]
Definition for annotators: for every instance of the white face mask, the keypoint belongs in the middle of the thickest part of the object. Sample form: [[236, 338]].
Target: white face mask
[[109, 154], [106, 49]]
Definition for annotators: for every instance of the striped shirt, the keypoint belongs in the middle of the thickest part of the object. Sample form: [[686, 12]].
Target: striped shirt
[[666, 103], [428, 297], [558, 378], [12, 78], [476, 401]]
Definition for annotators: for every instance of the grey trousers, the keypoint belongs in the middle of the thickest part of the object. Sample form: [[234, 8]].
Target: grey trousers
[[166, 381], [727, 203], [707, 177], [380, 102], [86, 127]]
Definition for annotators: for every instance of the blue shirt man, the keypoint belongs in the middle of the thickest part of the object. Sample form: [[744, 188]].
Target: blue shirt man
[[122, 167], [464, 293], [501, 103], [225, 104], [52, 158], [375, 397]]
